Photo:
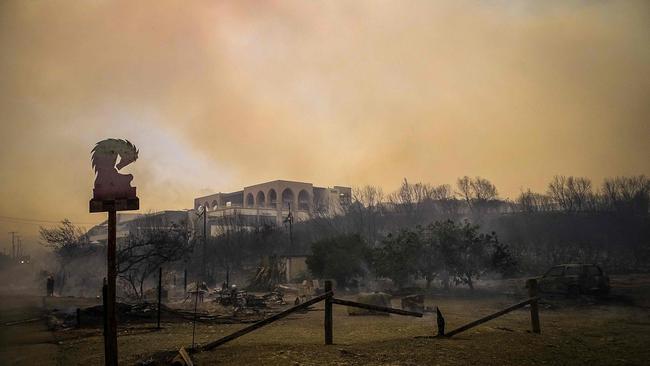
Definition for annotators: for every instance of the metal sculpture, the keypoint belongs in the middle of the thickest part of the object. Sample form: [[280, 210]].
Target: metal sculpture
[[109, 183], [112, 189], [112, 192]]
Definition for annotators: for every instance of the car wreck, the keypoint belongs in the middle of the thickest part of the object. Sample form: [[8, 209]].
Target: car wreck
[[575, 279]]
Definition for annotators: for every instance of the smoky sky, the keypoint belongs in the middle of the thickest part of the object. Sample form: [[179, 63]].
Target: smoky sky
[[218, 95]]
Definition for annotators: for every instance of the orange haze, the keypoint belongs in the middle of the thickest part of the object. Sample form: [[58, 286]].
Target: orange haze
[[218, 95]]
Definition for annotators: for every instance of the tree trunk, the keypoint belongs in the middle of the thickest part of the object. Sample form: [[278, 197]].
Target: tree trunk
[[445, 280], [62, 282], [135, 289]]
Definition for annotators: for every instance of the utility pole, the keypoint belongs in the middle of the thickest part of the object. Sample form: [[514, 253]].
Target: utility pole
[[290, 228], [205, 242], [13, 244], [204, 212], [289, 220]]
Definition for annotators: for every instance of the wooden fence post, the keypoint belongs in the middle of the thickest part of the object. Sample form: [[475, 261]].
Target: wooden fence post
[[531, 284], [440, 322], [328, 313]]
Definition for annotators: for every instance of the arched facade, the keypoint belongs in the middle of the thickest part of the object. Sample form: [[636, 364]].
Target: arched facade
[[260, 200], [288, 198], [271, 201], [304, 201], [273, 198], [279, 195]]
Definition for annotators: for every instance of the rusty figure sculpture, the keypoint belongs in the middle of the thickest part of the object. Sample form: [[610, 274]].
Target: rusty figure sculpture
[[109, 183]]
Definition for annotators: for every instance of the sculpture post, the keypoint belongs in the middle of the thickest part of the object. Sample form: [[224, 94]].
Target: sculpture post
[[112, 193], [111, 265]]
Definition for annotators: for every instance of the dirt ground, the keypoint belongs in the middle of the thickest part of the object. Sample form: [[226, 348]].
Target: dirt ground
[[614, 331]]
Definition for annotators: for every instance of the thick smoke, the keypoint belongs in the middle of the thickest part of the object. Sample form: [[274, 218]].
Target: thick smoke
[[220, 95]]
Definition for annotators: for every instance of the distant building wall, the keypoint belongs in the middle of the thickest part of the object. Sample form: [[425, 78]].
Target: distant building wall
[[280, 194], [220, 200], [127, 222], [262, 202]]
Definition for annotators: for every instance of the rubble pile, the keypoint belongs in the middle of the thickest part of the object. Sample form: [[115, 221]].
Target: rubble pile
[[241, 307], [274, 297], [125, 313], [413, 303]]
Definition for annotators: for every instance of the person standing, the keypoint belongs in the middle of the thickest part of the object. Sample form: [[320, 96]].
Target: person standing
[[50, 286]]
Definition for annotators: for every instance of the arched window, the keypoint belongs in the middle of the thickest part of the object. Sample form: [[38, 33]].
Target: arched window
[[303, 200], [260, 199], [215, 204], [206, 206], [287, 198], [273, 198], [250, 200]]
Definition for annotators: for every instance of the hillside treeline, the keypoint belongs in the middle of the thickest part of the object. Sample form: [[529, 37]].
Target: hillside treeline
[[572, 221], [451, 233]]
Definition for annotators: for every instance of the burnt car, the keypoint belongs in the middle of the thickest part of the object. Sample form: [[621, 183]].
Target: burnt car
[[574, 279]]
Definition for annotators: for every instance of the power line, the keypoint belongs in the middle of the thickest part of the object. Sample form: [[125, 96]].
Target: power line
[[24, 223], [40, 223], [26, 220]]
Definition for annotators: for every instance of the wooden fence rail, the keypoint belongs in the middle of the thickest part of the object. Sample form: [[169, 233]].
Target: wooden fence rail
[[376, 308], [264, 322], [489, 317], [533, 299], [330, 300]]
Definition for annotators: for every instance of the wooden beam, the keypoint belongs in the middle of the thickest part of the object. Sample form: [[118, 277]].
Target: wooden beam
[[23, 321], [489, 317], [182, 358], [376, 308], [111, 289], [125, 204], [105, 315], [264, 322]]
